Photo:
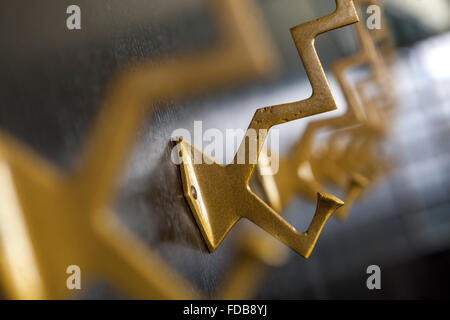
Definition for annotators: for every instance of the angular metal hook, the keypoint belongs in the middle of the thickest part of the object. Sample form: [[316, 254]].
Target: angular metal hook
[[220, 195]]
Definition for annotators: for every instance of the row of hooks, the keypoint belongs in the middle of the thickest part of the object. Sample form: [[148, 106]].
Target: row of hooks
[[50, 219]]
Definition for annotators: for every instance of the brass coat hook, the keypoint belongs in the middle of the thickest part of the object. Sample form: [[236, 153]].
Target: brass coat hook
[[258, 251], [219, 195]]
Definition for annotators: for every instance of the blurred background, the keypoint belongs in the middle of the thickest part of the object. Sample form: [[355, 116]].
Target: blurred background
[[52, 80]]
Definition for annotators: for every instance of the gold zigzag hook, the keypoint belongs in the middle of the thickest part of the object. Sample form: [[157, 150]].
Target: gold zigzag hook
[[258, 251], [220, 195]]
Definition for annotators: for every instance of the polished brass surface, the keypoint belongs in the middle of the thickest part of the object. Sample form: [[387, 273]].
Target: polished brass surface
[[50, 219], [298, 174], [295, 176], [219, 195], [257, 251]]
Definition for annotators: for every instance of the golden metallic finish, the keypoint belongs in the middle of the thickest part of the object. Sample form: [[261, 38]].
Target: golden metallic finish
[[298, 174], [50, 219], [220, 195], [258, 251], [356, 185]]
